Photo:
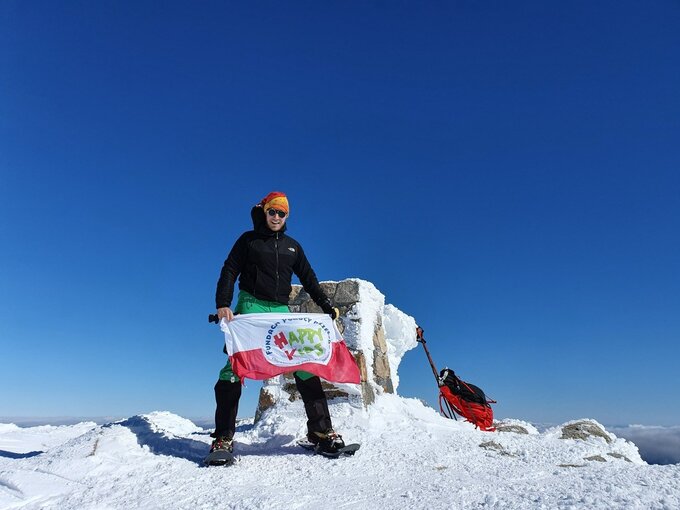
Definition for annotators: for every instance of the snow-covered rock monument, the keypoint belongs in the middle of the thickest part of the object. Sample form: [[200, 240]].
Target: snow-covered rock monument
[[378, 335]]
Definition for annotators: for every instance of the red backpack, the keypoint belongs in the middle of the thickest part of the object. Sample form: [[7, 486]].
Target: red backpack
[[465, 399]]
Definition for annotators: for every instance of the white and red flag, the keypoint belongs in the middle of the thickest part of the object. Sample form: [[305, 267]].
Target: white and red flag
[[264, 345]]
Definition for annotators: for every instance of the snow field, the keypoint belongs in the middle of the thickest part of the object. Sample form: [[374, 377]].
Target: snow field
[[410, 457]]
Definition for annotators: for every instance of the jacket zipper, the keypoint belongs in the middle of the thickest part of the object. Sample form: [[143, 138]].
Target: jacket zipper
[[276, 249]]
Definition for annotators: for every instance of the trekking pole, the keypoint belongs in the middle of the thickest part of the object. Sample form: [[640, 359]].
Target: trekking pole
[[421, 339]]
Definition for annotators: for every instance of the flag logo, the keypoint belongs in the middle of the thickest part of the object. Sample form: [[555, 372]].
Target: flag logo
[[297, 340]]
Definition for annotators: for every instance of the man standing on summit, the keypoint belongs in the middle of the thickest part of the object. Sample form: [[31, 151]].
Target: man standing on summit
[[265, 259]]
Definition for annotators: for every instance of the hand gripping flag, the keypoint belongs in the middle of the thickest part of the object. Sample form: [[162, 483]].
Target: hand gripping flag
[[264, 345]]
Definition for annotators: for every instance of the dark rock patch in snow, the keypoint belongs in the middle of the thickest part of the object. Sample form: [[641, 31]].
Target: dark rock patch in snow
[[584, 429], [516, 429]]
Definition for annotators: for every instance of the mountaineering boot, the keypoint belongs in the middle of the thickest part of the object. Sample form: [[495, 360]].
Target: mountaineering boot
[[222, 444], [326, 442], [220, 451]]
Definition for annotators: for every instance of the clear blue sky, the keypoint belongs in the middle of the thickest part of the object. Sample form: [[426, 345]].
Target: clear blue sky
[[506, 173]]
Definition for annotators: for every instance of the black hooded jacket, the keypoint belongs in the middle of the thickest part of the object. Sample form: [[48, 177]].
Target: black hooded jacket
[[266, 262]]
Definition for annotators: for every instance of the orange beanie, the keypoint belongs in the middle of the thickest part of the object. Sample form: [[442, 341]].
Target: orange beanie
[[276, 200]]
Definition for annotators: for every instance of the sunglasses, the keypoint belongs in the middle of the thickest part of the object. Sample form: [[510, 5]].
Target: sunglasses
[[274, 212]]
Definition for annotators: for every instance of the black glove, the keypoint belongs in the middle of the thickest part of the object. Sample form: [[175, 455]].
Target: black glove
[[329, 309]]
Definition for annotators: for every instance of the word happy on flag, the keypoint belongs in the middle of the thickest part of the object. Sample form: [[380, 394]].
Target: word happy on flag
[[264, 345]]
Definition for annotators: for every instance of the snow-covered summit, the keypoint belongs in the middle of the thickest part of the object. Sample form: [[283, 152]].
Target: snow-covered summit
[[410, 457]]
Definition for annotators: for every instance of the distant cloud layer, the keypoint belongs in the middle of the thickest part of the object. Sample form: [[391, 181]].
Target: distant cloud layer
[[657, 445]]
